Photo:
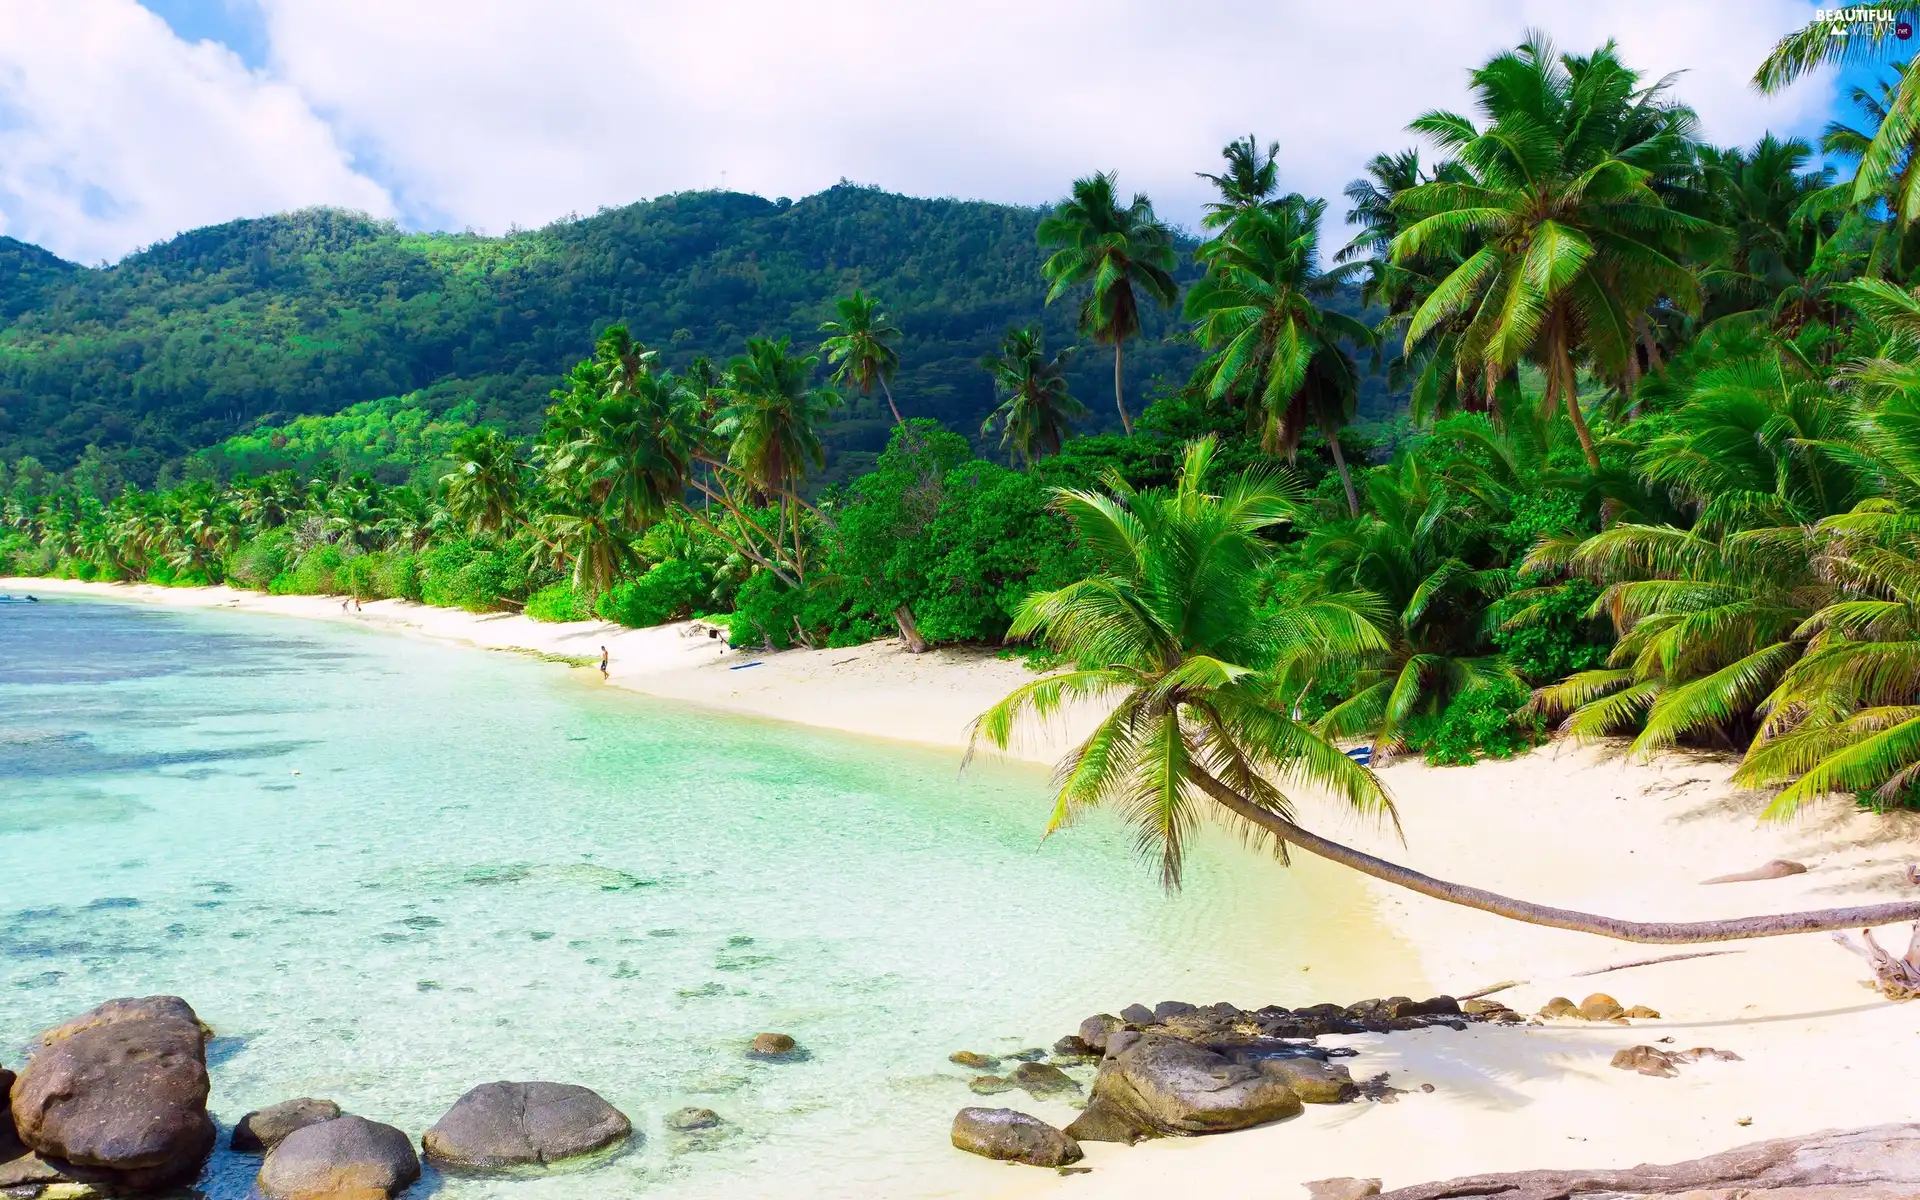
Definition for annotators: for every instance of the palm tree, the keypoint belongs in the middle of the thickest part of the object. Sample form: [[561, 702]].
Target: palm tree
[[770, 421], [485, 489], [1258, 309], [1202, 721], [1249, 181], [1564, 237], [1117, 253], [1038, 413], [860, 347], [1888, 241], [1758, 195]]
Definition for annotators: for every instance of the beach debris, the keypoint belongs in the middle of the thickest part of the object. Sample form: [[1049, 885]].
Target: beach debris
[[121, 1089], [969, 1058], [347, 1156], [1894, 978], [261, 1130], [504, 1124], [1650, 962], [1502, 986], [1666, 1063], [1345, 1187], [1007, 1135], [1779, 868], [1043, 1081], [691, 1120], [775, 1047], [1880, 1161], [991, 1085]]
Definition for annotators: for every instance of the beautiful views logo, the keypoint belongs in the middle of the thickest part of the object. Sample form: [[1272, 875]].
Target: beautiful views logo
[[1846, 22]]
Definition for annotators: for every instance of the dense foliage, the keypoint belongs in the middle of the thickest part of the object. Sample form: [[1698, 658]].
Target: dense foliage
[[1659, 477]]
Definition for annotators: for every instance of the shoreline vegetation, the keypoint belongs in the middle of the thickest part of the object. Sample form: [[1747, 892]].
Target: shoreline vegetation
[[1658, 480]]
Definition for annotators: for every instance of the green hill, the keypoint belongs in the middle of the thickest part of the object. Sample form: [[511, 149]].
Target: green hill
[[224, 329]]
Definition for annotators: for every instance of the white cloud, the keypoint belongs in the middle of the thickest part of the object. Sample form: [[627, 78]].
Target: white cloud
[[501, 113], [114, 133], [489, 113]]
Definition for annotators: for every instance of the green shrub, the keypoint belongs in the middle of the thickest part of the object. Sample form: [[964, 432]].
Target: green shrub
[[312, 574], [476, 578], [1480, 722], [558, 602], [671, 591], [397, 576], [1547, 635], [258, 562]]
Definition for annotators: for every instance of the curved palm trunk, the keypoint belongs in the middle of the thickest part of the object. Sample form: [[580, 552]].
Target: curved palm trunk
[[1340, 465], [888, 393], [1668, 932], [1562, 368], [1126, 422]]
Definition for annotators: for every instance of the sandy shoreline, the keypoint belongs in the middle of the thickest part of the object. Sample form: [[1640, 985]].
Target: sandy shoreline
[[1578, 828]]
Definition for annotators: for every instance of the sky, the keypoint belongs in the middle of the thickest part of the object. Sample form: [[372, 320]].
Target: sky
[[123, 123]]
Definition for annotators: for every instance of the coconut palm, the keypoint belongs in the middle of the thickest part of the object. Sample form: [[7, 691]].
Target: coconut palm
[[485, 489], [1259, 310], [1116, 253], [1202, 723], [1881, 220], [1038, 413], [859, 345], [1249, 181], [770, 421], [1564, 237], [1757, 195]]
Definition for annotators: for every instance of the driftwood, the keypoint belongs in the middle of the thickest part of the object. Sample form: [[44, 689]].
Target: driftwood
[[1648, 962], [1779, 868], [1895, 978], [1880, 1163]]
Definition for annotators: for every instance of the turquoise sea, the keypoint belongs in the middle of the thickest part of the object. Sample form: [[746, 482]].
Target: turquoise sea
[[385, 870]]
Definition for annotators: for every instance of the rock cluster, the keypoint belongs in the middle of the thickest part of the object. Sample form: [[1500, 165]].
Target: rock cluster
[[1597, 1007], [1179, 1069], [114, 1103]]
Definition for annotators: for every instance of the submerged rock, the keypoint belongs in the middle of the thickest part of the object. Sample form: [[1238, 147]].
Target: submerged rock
[[1073, 1046], [348, 1158], [118, 1096], [263, 1129], [1042, 1081], [1009, 1136], [990, 1085], [774, 1046], [688, 1120], [500, 1125], [1171, 1086], [979, 1062]]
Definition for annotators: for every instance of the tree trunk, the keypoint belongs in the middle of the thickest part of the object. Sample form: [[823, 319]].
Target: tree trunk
[[1563, 364], [1340, 465], [1126, 422], [909, 632], [888, 393], [1664, 932]]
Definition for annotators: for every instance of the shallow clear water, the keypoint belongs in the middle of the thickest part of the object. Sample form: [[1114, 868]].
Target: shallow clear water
[[385, 870]]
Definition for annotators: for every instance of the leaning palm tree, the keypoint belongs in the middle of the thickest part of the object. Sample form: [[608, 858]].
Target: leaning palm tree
[[1564, 238], [859, 346], [771, 422], [1037, 416], [1116, 253], [1259, 309], [1170, 633]]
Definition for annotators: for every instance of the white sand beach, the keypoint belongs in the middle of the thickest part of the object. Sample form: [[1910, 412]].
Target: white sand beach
[[1576, 827]]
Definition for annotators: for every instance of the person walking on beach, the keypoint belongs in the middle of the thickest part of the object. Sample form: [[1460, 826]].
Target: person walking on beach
[[603, 662]]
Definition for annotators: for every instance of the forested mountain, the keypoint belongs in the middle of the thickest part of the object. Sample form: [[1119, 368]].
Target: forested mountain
[[220, 329]]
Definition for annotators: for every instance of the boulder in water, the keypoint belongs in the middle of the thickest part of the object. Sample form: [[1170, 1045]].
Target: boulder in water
[[263, 1129], [1010, 1136], [503, 1124], [1043, 1081], [118, 1096], [774, 1047], [347, 1158]]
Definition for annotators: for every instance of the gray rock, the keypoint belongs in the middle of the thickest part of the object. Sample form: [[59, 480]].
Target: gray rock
[[1074, 1046], [1173, 1008], [1137, 1014], [503, 1124], [1094, 1030], [118, 1096], [687, 1120], [1009, 1136], [262, 1130], [1030, 1054], [1174, 1087], [1043, 1081], [348, 1158], [1314, 1080], [990, 1085], [1102, 1121]]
